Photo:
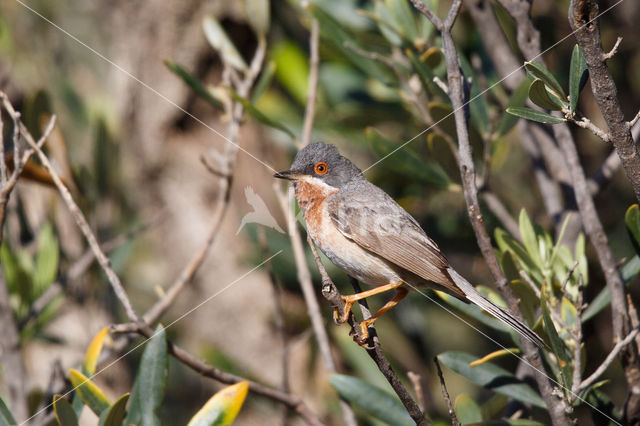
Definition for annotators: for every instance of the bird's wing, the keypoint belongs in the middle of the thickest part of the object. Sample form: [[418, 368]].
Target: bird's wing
[[368, 216]]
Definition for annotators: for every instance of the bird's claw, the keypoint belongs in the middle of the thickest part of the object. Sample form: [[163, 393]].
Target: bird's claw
[[344, 317]]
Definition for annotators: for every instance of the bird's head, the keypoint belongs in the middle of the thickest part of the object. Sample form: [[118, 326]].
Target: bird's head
[[321, 162]]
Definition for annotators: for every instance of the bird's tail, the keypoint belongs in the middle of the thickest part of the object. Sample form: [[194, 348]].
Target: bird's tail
[[475, 297]]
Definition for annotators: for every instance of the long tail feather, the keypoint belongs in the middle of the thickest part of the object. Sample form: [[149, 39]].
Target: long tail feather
[[475, 297]]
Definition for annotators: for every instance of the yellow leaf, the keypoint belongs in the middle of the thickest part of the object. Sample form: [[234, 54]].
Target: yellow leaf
[[93, 352], [494, 355], [223, 407], [89, 392]]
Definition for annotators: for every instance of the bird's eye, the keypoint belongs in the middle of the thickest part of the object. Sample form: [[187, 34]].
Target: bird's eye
[[321, 168]]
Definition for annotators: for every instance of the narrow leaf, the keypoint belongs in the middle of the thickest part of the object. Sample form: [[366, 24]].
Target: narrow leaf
[[46, 261], [373, 400], [255, 112], [264, 81], [539, 95], [533, 115], [193, 82], [89, 393], [517, 99], [529, 238], [6, 418], [93, 352], [556, 342], [467, 410], [432, 57], [578, 74], [538, 70], [632, 220], [117, 412], [150, 383], [492, 377], [494, 355], [404, 19], [64, 412], [218, 39], [223, 407]]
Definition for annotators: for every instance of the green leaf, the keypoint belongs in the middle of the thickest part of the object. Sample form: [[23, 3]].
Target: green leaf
[[117, 412], [193, 82], [432, 57], [533, 115], [529, 237], [540, 96], [404, 19], [150, 383], [538, 71], [258, 15], [467, 410], [517, 99], [47, 259], [93, 352], [406, 161], [557, 344], [632, 220], [385, 23], [64, 412], [578, 74], [292, 69], [492, 377], [223, 407], [373, 400], [89, 393], [6, 418], [256, 113], [264, 81], [218, 39]]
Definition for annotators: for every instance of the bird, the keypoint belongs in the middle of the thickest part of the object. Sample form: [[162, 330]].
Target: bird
[[260, 213], [364, 232]]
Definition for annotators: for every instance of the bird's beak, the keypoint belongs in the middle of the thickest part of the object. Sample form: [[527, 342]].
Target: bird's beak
[[288, 175]]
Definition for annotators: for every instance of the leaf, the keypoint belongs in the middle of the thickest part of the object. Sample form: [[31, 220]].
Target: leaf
[[432, 57], [533, 115], [373, 400], [632, 220], [517, 99], [494, 355], [492, 377], [292, 69], [223, 407], [529, 238], [538, 71], [557, 344], [6, 418], [264, 81], [150, 383], [46, 261], [568, 313], [64, 412], [117, 412], [89, 393], [406, 161], [259, 115], [258, 15], [578, 74], [404, 19], [467, 410], [540, 96], [193, 82], [93, 352], [218, 39]]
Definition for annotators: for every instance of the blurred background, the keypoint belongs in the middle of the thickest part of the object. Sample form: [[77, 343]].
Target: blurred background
[[129, 147]]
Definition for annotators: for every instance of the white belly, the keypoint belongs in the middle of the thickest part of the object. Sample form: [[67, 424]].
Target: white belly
[[347, 255]]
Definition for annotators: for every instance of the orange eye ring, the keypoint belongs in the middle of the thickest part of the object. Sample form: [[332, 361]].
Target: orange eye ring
[[321, 168]]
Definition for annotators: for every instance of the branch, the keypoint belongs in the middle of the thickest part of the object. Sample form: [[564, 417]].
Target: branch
[[582, 18], [608, 360], [445, 394], [331, 293], [206, 370], [467, 173], [585, 123]]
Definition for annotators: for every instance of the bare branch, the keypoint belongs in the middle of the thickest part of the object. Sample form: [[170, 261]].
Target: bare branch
[[585, 123], [613, 50], [445, 394], [608, 360]]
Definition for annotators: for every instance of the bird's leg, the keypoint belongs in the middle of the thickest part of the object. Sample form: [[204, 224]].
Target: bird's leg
[[401, 292], [350, 299]]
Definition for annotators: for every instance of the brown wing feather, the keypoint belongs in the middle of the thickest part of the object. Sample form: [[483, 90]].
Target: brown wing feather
[[377, 223]]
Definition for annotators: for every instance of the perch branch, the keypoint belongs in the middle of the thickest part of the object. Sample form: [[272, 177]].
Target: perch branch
[[445, 394]]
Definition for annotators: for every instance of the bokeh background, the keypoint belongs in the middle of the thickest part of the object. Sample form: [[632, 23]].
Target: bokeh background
[[134, 159]]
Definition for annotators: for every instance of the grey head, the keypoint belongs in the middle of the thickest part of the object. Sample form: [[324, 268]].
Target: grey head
[[324, 162]]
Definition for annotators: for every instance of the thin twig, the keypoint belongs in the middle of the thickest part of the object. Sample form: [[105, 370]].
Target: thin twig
[[585, 123], [634, 120], [312, 90], [445, 394], [206, 370], [608, 360], [417, 388], [610, 54]]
